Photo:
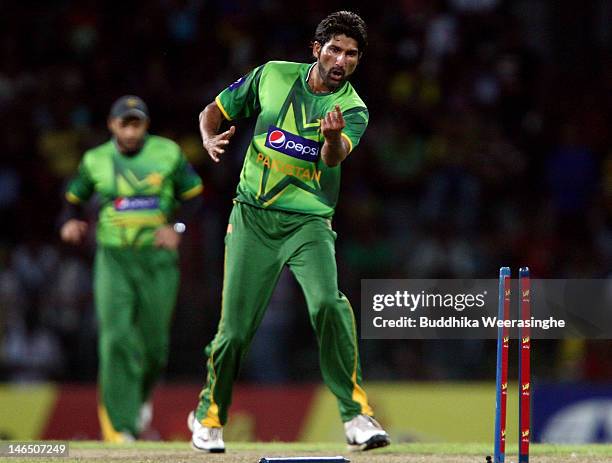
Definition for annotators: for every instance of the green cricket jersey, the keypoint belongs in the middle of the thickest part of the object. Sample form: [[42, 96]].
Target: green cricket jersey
[[283, 168], [137, 193]]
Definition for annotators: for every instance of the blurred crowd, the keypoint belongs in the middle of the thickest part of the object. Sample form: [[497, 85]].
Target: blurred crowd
[[489, 144]]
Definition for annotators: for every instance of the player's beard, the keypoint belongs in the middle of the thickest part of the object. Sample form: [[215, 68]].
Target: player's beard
[[130, 146], [328, 80]]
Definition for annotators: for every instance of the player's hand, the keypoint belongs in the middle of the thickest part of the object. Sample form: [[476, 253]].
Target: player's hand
[[216, 145], [166, 237], [332, 125], [73, 231]]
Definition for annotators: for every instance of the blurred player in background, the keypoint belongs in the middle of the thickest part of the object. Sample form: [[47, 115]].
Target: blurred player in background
[[309, 118], [140, 180]]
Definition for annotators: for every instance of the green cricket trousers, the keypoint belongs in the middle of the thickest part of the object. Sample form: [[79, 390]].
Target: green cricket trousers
[[135, 292], [259, 243]]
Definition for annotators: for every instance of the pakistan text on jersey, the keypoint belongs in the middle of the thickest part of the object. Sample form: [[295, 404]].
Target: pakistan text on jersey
[[302, 173]]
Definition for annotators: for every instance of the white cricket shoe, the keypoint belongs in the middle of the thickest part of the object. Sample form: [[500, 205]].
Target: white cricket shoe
[[145, 417], [123, 438], [365, 433], [205, 439]]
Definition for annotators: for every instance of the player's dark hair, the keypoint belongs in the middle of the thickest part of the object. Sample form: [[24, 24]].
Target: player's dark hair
[[343, 22]]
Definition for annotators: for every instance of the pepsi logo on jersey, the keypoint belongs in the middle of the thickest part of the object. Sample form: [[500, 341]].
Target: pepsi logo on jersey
[[136, 203], [292, 145], [276, 139]]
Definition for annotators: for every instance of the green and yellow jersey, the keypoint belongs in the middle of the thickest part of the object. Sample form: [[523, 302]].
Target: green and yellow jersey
[[137, 193], [283, 168]]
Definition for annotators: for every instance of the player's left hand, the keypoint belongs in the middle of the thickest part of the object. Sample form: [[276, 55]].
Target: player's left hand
[[332, 125], [166, 237]]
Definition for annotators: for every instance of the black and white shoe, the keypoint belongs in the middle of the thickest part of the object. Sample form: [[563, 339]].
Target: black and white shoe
[[365, 433], [203, 438]]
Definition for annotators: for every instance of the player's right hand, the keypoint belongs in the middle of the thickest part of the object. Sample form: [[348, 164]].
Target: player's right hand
[[216, 145], [73, 231]]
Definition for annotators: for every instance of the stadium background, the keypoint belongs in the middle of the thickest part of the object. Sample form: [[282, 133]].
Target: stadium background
[[489, 144]]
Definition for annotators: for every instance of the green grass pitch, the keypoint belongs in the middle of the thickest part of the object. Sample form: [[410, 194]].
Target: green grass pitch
[[154, 452]]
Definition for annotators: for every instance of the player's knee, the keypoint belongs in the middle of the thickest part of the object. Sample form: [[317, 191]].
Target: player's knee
[[158, 355], [115, 342], [115, 339], [327, 305], [235, 339]]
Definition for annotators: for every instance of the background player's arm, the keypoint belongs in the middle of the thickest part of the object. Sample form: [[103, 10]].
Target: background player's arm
[[167, 236], [188, 191], [73, 231], [210, 121], [335, 148], [73, 228], [80, 189]]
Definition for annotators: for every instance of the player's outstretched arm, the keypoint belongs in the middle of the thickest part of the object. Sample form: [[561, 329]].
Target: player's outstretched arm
[[335, 149], [214, 142]]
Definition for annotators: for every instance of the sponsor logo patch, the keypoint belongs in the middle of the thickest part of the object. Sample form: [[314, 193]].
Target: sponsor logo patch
[[277, 139], [237, 84], [136, 203], [292, 145]]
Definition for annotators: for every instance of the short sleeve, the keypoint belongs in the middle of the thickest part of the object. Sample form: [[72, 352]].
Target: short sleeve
[[241, 99], [356, 120], [81, 187], [187, 183]]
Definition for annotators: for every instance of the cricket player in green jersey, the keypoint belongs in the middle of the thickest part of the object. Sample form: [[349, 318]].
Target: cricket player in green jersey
[[140, 180], [308, 119]]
